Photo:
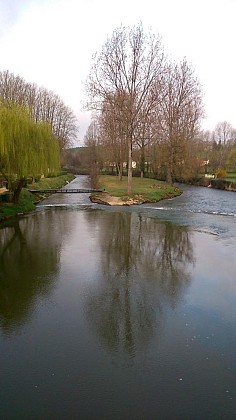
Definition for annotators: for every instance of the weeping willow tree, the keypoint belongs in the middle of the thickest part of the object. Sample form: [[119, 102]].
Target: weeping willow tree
[[27, 148]]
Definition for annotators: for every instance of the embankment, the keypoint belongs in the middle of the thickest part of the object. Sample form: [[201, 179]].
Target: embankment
[[27, 200]]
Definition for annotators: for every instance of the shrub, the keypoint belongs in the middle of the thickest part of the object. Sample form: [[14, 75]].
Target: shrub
[[219, 183], [220, 173]]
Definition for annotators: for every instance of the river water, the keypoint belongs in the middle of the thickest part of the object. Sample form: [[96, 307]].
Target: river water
[[120, 312]]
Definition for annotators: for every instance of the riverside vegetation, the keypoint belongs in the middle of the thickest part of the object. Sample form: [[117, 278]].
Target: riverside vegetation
[[28, 201], [144, 190]]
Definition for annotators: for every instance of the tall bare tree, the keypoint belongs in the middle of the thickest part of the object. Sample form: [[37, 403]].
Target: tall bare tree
[[223, 132], [178, 116], [92, 141], [129, 63], [114, 125]]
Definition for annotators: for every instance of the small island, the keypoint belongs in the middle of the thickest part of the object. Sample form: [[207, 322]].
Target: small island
[[145, 190]]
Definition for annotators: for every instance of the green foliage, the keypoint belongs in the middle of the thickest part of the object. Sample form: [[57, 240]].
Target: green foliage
[[27, 200], [26, 147], [26, 204]]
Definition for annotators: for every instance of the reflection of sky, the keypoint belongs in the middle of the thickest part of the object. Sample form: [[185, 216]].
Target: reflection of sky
[[79, 253], [214, 286]]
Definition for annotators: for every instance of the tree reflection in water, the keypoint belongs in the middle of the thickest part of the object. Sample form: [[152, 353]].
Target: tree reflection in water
[[29, 258], [146, 267]]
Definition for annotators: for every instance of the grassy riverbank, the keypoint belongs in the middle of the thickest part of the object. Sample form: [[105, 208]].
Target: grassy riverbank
[[27, 200], [144, 190]]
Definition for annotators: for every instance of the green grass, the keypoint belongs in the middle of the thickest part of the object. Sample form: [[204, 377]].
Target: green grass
[[27, 200], [26, 204], [150, 189], [231, 176], [52, 182]]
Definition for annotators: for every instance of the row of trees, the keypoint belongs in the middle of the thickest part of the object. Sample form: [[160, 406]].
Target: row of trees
[[219, 147], [43, 105], [142, 101], [208, 154], [35, 127]]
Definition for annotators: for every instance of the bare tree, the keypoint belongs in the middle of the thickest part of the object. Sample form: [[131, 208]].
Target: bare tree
[[114, 124], [44, 105], [92, 141], [12, 88], [145, 132], [130, 63], [178, 115], [223, 132], [222, 141]]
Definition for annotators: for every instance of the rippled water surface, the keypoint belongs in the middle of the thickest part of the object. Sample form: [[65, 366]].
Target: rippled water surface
[[120, 313]]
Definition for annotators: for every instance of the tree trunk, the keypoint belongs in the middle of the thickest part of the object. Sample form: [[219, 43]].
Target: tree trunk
[[17, 190], [120, 171], [129, 188], [169, 175], [142, 161]]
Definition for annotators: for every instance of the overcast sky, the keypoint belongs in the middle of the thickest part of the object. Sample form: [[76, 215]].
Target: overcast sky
[[51, 43]]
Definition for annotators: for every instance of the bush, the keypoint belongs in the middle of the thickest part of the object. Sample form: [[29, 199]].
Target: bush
[[221, 173], [219, 183]]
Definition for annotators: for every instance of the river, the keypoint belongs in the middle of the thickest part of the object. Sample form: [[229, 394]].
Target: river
[[120, 312]]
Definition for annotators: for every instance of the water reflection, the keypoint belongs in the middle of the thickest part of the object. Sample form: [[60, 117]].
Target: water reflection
[[29, 259], [146, 268]]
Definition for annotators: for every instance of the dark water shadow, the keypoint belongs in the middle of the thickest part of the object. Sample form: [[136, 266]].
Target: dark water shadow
[[29, 261]]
